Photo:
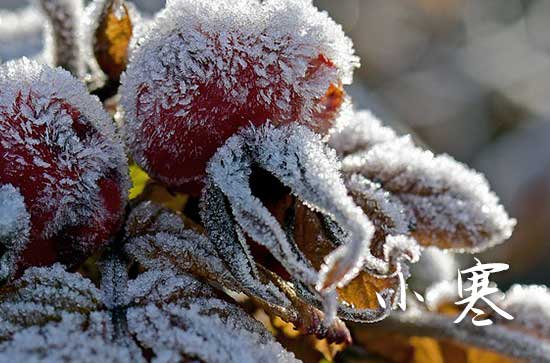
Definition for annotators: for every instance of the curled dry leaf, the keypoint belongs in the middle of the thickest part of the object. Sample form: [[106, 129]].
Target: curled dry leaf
[[112, 38], [281, 189], [157, 239], [445, 204]]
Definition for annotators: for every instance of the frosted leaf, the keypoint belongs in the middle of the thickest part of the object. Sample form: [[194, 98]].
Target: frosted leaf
[[73, 339], [14, 230], [166, 286], [44, 294], [448, 205], [60, 150], [21, 33], [385, 211], [64, 18], [315, 237], [209, 330], [236, 255], [298, 158], [178, 317], [159, 245], [169, 247]]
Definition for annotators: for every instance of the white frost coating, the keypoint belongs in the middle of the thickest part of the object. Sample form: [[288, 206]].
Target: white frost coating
[[64, 20], [358, 130], [161, 285], [73, 339], [70, 199], [177, 317], [14, 229], [21, 33], [207, 329], [440, 190], [530, 307], [373, 199], [193, 43], [299, 159], [401, 248], [168, 246], [45, 294], [114, 283]]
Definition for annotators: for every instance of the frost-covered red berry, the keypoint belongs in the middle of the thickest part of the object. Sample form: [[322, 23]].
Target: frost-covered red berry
[[207, 68], [61, 158]]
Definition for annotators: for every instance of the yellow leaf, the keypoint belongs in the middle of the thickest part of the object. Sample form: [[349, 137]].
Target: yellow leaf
[[112, 38], [139, 180]]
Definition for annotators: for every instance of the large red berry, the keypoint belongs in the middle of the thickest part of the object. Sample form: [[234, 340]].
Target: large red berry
[[59, 152], [207, 68]]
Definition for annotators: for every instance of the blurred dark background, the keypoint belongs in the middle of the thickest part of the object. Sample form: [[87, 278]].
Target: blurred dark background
[[468, 77]]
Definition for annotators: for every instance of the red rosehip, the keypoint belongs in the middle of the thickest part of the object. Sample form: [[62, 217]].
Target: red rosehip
[[59, 151], [208, 68]]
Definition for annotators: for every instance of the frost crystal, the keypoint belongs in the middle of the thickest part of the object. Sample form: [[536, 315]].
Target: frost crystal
[[73, 339], [44, 295], [447, 204], [168, 246], [356, 131], [298, 158], [50, 315], [65, 33], [180, 318], [14, 229], [206, 68]]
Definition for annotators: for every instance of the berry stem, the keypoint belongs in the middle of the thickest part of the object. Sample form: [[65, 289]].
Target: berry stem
[[64, 18]]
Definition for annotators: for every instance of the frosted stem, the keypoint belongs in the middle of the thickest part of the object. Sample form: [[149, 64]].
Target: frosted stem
[[64, 17], [496, 338]]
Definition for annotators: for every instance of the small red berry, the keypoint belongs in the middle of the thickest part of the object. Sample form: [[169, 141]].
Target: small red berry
[[59, 151], [208, 68]]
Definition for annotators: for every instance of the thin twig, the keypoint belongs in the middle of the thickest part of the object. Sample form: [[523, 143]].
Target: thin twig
[[64, 17], [496, 338]]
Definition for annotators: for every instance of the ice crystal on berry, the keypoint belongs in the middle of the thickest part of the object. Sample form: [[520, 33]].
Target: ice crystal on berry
[[206, 69], [14, 229], [60, 150]]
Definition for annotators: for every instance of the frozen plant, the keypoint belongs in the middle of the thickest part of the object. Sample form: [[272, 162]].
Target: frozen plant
[[258, 192]]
